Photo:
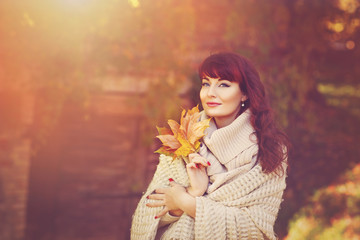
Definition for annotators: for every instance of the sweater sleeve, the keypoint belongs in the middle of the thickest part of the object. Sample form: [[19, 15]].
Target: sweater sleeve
[[252, 220], [167, 219], [144, 226]]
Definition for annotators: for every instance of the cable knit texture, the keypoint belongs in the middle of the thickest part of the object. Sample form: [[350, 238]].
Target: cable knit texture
[[241, 201]]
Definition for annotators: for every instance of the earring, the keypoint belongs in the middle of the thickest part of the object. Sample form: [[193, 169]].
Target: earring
[[242, 104]]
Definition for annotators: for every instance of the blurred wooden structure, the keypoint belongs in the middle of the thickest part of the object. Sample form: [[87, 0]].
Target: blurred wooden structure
[[15, 152], [82, 184]]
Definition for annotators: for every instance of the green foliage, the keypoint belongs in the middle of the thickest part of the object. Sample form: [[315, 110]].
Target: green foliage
[[342, 96]]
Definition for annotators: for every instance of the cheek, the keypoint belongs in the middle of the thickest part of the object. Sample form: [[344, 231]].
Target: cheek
[[202, 95], [234, 98]]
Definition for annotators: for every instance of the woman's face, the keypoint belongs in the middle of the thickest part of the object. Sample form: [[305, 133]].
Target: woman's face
[[221, 99]]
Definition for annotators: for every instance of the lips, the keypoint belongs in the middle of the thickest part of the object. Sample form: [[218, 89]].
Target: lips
[[212, 104]]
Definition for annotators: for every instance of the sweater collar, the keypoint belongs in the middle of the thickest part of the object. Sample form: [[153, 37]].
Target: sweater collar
[[228, 142]]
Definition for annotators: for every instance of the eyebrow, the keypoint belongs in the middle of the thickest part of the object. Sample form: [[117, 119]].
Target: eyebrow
[[220, 79]]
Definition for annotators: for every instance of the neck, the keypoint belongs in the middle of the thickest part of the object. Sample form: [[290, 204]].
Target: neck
[[223, 121]]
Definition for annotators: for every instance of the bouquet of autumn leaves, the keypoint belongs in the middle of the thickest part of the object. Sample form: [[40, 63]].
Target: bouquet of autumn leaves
[[184, 138]]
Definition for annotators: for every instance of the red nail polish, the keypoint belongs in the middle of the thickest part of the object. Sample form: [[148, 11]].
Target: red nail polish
[[208, 163], [156, 217], [197, 166], [147, 197], [171, 180]]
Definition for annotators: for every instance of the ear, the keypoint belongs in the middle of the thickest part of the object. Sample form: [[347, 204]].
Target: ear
[[244, 98]]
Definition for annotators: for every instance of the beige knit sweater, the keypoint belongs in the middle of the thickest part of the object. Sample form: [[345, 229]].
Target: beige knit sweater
[[241, 201]]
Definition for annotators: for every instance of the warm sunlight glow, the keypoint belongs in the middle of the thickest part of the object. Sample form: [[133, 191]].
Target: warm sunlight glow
[[76, 2], [134, 3], [27, 20]]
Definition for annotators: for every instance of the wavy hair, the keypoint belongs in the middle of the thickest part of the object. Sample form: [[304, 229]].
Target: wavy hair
[[273, 143]]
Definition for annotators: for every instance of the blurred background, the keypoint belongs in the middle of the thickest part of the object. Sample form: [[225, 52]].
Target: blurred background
[[83, 83]]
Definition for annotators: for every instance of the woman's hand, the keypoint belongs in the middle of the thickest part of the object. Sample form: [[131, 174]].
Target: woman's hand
[[196, 169], [175, 200]]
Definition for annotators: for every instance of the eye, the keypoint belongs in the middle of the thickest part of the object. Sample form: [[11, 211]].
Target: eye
[[205, 84], [224, 85]]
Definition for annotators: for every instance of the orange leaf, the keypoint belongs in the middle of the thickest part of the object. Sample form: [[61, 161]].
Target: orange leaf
[[184, 121], [164, 131], [170, 141], [174, 127], [189, 118], [166, 150]]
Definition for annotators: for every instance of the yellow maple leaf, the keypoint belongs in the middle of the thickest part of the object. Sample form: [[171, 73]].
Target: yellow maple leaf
[[185, 149]]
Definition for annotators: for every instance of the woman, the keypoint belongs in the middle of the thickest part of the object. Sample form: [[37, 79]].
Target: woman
[[232, 188]]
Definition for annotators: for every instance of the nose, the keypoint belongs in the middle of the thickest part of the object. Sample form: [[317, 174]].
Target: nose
[[211, 92]]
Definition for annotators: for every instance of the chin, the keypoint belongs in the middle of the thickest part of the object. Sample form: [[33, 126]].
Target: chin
[[211, 113]]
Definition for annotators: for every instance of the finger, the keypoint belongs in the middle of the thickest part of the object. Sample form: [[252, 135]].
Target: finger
[[193, 155], [201, 161], [191, 165], [173, 184], [197, 158], [162, 212], [160, 190], [156, 204], [156, 196]]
